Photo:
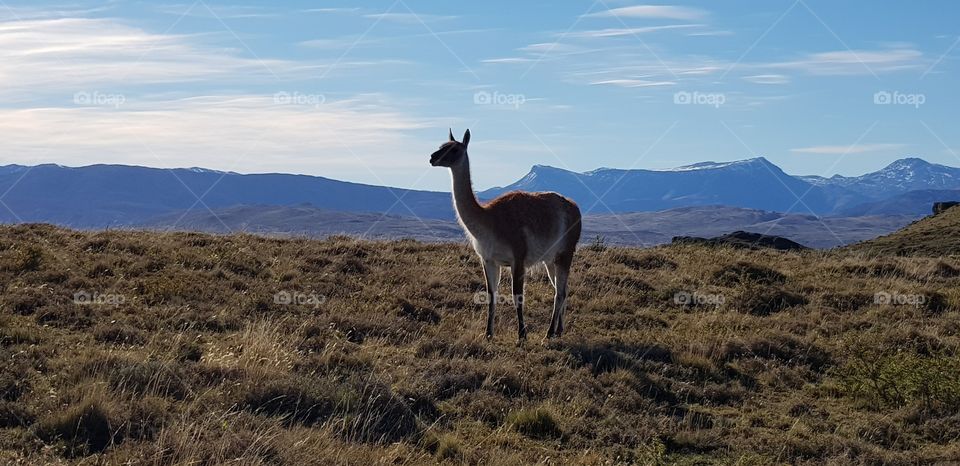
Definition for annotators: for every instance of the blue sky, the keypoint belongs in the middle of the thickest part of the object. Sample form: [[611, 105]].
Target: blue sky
[[365, 91]]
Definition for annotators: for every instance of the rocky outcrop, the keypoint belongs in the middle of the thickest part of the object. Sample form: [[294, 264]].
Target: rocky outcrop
[[744, 239]]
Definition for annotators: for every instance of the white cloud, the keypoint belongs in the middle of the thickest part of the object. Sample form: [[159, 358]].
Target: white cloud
[[332, 10], [73, 53], [853, 62], [359, 40], [768, 79], [851, 149], [245, 133], [204, 10], [412, 18], [618, 32], [653, 11], [81, 91], [632, 83], [509, 60]]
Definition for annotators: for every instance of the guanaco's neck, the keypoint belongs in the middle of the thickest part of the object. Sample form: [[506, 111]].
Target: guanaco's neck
[[468, 209]]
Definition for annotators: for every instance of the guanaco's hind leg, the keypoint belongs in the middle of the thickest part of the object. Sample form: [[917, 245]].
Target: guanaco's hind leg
[[551, 274], [518, 270], [560, 274]]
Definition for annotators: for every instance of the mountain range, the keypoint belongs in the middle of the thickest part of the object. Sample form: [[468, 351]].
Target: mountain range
[[98, 196], [753, 183], [634, 206]]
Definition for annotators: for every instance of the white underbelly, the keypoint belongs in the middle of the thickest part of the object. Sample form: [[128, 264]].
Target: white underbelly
[[490, 249], [538, 250]]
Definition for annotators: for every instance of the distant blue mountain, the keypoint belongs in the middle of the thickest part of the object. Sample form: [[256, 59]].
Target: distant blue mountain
[[901, 176], [100, 196], [112, 195], [754, 184]]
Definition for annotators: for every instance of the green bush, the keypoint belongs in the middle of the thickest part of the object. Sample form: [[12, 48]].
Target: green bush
[[900, 378]]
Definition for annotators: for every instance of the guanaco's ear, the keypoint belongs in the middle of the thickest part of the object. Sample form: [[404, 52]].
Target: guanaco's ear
[[451, 135], [466, 138]]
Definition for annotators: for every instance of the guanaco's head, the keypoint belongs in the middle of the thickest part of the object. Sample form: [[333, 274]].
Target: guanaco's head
[[451, 152]]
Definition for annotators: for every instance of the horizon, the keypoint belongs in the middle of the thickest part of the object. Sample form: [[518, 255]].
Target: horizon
[[476, 189], [365, 93]]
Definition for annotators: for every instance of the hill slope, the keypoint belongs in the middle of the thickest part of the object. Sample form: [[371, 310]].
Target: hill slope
[[933, 236], [913, 203], [130, 348]]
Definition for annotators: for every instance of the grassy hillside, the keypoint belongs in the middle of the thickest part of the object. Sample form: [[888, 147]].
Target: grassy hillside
[[932, 236], [154, 348]]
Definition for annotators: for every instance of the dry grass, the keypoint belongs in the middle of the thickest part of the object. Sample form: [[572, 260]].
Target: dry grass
[[693, 355]]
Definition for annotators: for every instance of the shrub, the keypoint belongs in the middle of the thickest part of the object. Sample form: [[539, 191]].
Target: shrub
[[648, 261], [417, 314], [763, 301], [537, 423], [189, 351], [14, 415], [81, 429], [745, 273], [25, 258], [448, 448], [376, 414], [294, 399], [19, 335], [23, 302], [598, 244], [147, 417], [898, 378]]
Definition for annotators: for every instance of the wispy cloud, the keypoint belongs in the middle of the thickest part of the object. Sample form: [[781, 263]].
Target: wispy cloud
[[411, 18], [653, 11], [618, 32], [632, 83], [353, 41], [509, 60], [768, 79], [75, 54], [853, 62], [80, 91], [333, 10], [246, 133], [851, 149], [71, 53], [216, 11]]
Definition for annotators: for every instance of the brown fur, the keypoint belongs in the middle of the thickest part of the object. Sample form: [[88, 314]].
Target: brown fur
[[511, 213]]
